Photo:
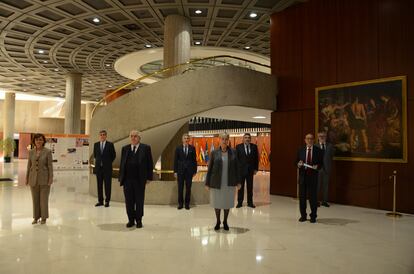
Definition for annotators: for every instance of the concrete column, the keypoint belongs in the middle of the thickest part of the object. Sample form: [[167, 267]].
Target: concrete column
[[73, 103], [9, 115], [177, 42], [88, 111]]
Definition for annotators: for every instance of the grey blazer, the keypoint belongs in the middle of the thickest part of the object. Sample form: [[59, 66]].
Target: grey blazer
[[327, 156], [215, 167], [40, 171]]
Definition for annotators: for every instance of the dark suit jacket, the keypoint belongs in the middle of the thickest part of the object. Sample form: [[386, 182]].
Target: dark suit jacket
[[327, 156], [215, 168], [247, 163], [106, 158], [184, 163], [145, 163], [317, 159]]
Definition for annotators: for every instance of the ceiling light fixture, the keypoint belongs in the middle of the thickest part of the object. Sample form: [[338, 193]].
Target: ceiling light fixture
[[253, 15], [198, 12], [259, 117], [24, 79], [148, 46], [198, 43], [96, 20], [108, 65], [45, 61], [41, 51], [247, 47], [56, 69]]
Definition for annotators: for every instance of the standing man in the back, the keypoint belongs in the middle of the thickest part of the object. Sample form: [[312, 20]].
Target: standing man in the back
[[248, 157], [324, 174], [104, 154]]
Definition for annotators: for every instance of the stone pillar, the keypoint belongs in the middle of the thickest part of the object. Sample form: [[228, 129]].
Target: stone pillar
[[73, 103], [177, 42], [9, 115], [88, 111], [167, 156]]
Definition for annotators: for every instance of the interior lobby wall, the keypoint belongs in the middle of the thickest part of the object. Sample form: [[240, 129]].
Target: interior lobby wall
[[327, 42]]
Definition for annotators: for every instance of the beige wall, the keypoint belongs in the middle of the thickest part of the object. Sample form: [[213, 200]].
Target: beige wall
[[30, 117]]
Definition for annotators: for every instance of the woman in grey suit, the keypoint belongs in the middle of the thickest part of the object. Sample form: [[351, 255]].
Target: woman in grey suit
[[40, 177], [222, 180]]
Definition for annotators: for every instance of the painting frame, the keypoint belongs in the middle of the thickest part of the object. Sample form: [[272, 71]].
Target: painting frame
[[351, 89]]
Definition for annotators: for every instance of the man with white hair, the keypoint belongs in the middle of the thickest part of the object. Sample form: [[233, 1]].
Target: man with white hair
[[134, 173]]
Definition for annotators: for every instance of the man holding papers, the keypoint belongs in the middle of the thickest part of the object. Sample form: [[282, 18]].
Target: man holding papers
[[309, 160]]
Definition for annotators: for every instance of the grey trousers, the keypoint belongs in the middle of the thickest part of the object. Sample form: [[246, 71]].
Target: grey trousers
[[40, 197], [323, 182]]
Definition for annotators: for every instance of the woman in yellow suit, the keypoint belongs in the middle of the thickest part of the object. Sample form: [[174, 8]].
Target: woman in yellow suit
[[40, 177]]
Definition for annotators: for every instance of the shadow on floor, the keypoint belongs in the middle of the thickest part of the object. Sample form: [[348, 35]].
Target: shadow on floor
[[233, 230], [336, 221]]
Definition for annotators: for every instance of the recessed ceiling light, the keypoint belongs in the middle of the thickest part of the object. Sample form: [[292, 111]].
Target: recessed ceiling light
[[247, 47], [45, 61], [61, 94], [253, 15], [148, 46], [24, 90], [96, 20], [198, 11], [109, 86], [89, 82], [41, 51], [53, 86], [108, 65], [259, 117], [56, 69], [198, 43], [24, 79]]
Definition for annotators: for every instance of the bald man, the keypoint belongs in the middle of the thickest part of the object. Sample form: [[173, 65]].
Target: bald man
[[309, 161]]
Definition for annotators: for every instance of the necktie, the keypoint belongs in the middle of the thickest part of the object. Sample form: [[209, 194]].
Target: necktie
[[323, 146], [134, 149], [186, 150], [309, 157], [102, 147], [309, 161]]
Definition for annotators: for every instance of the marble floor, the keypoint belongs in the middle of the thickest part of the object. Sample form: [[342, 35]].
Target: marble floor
[[80, 238]]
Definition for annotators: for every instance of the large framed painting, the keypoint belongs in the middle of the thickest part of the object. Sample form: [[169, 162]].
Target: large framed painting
[[365, 121]]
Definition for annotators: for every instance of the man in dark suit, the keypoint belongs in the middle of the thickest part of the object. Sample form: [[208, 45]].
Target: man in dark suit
[[309, 160], [104, 154], [323, 176], [134, 173], [185, 167], [248, 157]]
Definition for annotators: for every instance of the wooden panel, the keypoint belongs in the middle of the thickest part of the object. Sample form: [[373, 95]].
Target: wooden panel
[[357, 183], [25, 140], [396, 40], [286, 140], [319, 48], [358, 40], [286, 56]]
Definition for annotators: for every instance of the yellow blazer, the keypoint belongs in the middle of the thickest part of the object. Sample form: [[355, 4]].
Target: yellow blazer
[[40, 171]]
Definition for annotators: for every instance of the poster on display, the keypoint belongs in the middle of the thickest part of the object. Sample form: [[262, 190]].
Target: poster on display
[[69, 151]]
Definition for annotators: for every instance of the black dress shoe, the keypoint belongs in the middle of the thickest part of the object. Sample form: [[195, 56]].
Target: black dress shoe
[[225, 226], [99, 204], [217, 227], [180, 207], [251, 205], [139, 224], [239, 205], [325, 204], [313, 220], [130, 224], [107, 204], [302, 219], [187, 207]]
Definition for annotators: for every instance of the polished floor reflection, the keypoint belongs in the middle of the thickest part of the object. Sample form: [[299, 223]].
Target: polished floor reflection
[[80, 238]]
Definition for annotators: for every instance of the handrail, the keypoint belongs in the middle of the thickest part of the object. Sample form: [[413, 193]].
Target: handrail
[[169, 69]]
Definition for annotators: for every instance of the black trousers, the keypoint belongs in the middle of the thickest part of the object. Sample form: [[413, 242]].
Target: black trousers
[[134, 192], [248, 179], [104, 176], [186, 178], [309, 187]]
